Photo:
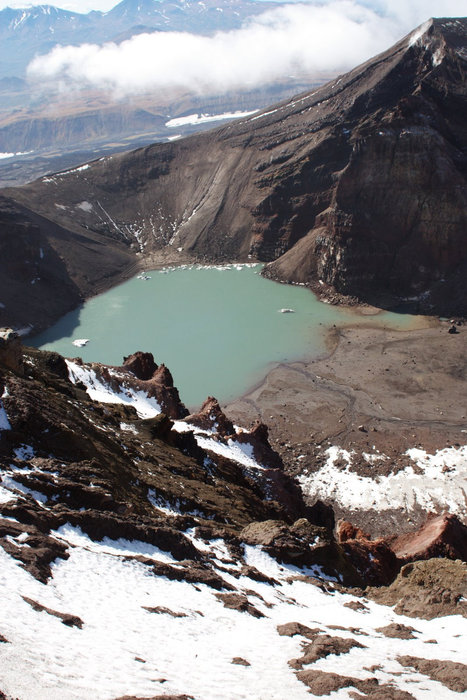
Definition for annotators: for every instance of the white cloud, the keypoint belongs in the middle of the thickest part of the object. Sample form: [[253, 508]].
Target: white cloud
[[293, 39]]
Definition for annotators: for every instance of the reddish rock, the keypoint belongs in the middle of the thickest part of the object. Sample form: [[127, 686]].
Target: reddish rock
[[290, 629], [397, 631], [322, 646], [239, 602], [211, 417], [441, 536], [347, 531], [451, 674], [239, 661], [374, 559]]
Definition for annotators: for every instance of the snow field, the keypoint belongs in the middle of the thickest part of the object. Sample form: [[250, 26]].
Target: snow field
[[124, 649], [433, 489]]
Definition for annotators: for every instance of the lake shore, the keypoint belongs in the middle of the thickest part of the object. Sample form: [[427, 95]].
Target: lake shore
[[377, 390]]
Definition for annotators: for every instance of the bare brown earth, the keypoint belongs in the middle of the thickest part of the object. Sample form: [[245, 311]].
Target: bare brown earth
[[376, 389]]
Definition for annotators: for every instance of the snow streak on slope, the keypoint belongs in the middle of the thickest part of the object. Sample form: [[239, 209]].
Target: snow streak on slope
[[99, 390], [146, 407]]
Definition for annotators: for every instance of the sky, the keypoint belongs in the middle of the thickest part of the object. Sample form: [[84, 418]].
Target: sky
[[303, 38]]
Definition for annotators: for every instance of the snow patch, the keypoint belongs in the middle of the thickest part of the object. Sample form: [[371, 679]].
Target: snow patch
[[193, 119], [85, 206], [98, 390], [123, 648], [24, 453], [427, 486], [4, 422], [418, 33]]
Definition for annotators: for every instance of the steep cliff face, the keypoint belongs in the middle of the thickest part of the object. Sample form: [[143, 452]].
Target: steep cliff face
[[360, 185]]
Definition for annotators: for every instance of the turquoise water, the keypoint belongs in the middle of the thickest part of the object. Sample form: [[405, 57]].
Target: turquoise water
[[218, 330]]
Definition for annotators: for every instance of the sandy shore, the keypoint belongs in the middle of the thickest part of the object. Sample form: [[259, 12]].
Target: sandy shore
[[376, 391]]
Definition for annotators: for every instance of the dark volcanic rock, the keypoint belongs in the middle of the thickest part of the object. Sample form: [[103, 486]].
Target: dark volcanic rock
[[47, 269], [141, 364], [360, 184], [322, 646], [41, 550], [11, 354], [305, 544], [258, 438]]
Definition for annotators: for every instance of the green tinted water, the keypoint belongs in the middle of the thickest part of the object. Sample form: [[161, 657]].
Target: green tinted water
[[218, 330]]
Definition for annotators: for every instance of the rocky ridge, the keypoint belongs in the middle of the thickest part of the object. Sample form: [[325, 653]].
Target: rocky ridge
[[187, 513]]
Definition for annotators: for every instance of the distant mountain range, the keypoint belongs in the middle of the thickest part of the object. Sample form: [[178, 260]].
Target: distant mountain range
[[57, 131], [26, 33]]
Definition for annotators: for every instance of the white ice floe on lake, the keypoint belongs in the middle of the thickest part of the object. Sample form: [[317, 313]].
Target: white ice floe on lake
[[124, 649], [433, 482], [80, 342]]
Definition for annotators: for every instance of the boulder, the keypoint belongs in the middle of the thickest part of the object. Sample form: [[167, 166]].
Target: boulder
[[440, 536]]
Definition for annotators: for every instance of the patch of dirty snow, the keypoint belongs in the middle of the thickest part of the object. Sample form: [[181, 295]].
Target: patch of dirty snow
[[4, 422], [24, 452], [85, 206], [438, 482]]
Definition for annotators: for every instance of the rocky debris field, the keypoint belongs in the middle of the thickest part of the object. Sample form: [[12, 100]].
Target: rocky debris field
[[147, 552]]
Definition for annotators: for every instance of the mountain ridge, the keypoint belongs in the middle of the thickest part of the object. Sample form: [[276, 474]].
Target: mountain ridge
[[358, 188]]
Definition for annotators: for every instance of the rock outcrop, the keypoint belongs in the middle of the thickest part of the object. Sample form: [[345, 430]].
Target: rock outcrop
[[157, 382], [441, 536]]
